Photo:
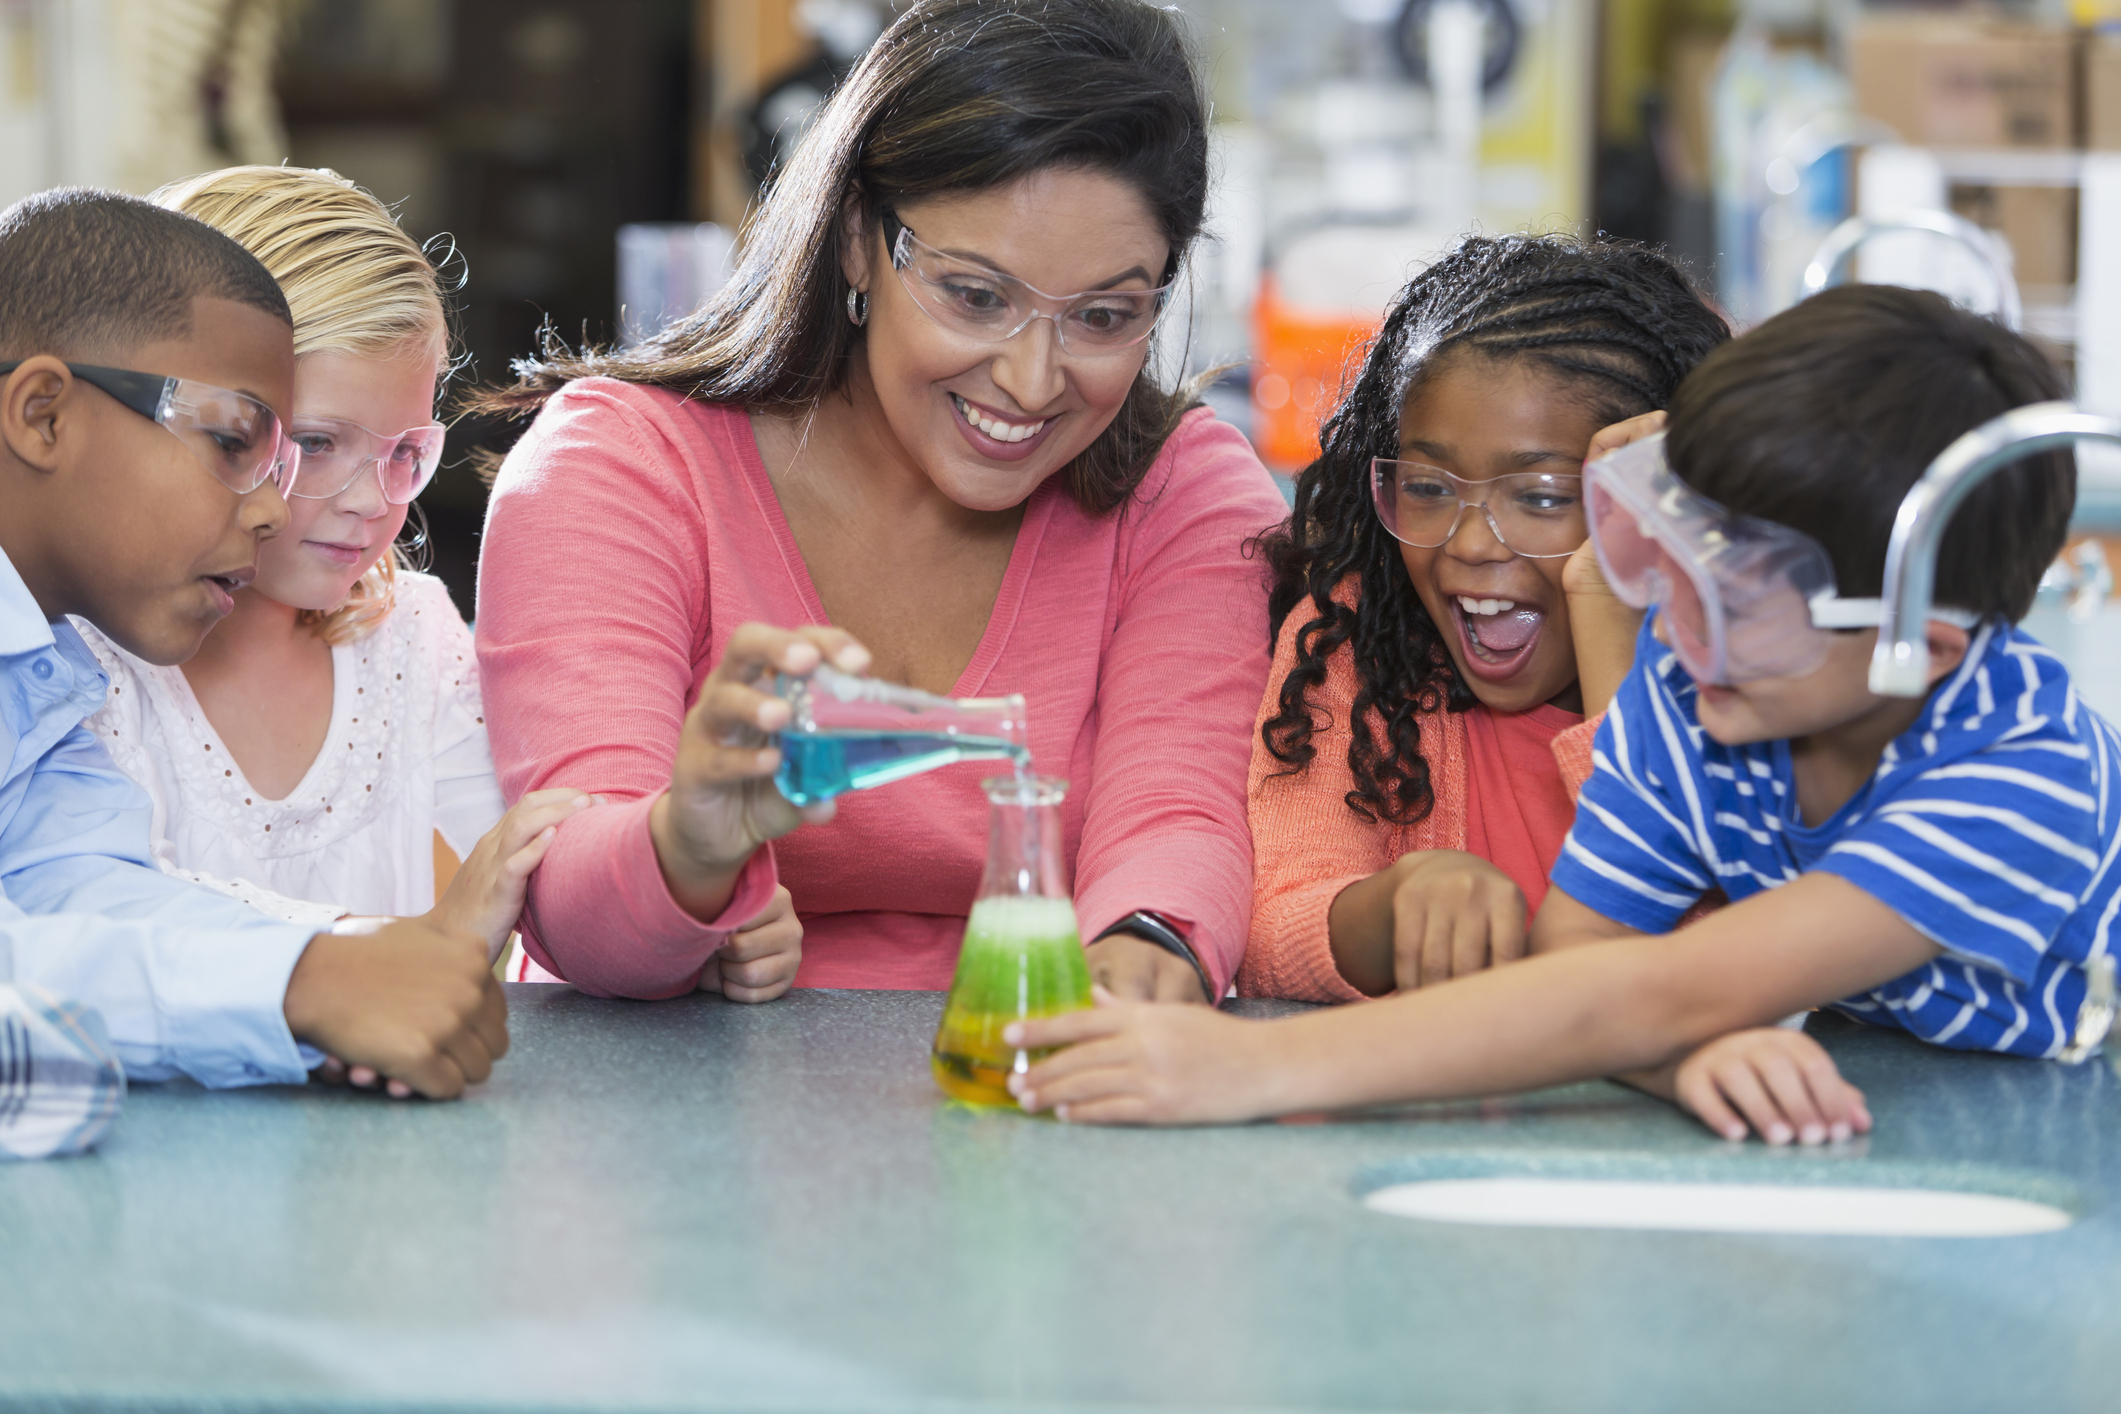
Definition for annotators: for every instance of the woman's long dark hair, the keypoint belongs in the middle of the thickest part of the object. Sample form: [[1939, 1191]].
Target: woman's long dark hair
[[1617, 324], [956, 95]]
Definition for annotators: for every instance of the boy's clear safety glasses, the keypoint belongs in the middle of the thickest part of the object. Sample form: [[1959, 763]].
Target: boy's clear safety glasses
[[233, 435], [336, 452], [1743, 598], [983, 304], [1535, 514]]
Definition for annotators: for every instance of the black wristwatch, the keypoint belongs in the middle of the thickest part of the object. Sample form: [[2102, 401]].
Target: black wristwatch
[[1154, 928]]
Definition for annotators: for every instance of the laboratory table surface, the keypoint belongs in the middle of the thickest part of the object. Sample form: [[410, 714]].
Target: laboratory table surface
[[692, 1204]]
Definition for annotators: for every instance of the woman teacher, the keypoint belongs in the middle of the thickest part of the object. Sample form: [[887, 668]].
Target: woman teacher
[[916, 435]]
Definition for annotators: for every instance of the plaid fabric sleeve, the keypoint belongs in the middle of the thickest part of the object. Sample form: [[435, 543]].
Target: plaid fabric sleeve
[[60, 1083]]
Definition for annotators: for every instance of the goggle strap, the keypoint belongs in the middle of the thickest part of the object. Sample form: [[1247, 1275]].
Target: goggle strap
[[1829, 610]]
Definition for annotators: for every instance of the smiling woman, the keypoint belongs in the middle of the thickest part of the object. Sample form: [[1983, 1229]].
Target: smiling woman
[[917, 434]]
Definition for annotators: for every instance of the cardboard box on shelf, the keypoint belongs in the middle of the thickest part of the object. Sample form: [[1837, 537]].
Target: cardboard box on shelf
[[1962, 81], [2040, 223], [2102, 92]]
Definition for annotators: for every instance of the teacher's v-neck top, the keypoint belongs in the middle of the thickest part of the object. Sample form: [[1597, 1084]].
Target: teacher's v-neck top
[[631, 532]]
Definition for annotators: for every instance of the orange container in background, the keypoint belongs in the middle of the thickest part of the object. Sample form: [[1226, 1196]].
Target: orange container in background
[[1304, 360]]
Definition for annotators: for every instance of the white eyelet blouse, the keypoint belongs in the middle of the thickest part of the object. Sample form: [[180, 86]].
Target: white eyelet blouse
[[406, 756]]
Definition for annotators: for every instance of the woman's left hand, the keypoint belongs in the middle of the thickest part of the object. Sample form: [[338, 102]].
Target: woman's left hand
[[758, 962], [1137, 970], [1145, 1063]]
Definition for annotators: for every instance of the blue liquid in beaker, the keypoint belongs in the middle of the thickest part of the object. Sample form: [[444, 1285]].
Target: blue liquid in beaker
[[820, 765]]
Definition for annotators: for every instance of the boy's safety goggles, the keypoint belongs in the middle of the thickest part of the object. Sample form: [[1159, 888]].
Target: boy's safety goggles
[[981, 303], [233, 435], [336, 452], [1743, 598]]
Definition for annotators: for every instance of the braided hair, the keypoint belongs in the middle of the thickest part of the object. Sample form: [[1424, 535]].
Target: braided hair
[[1619, 324]]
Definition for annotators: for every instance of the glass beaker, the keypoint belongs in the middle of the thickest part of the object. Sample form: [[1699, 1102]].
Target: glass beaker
[[1023, 953], [851, 733]]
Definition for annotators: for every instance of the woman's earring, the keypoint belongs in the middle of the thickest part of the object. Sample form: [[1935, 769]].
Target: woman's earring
[[857, 306]]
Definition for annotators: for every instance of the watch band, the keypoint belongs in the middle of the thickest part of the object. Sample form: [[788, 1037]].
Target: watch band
[[1154, 928]]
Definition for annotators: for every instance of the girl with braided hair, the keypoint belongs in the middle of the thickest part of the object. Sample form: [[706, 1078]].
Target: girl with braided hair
[[1441, 629]]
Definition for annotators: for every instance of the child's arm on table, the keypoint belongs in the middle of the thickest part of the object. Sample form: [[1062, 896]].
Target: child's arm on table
[[1779, 1081], [1633, 1004]]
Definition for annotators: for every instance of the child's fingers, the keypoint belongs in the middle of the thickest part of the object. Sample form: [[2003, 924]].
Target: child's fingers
[[524, 862], [1099, 1069], [1740, 1084], [1037, 1033], [1697, 1091], [1410, 920], [1115, 1109], [1610, 439], [1507, 934], [1786, 1083], [1840, 1103], [1472, 942]]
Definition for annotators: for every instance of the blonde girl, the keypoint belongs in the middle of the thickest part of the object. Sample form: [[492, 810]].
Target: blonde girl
[[325, 752]]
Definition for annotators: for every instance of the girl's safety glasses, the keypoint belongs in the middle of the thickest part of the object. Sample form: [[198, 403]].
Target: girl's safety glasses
[[335, 453], [981, 303], [233, 435], [1533, 513], [1743, 598]]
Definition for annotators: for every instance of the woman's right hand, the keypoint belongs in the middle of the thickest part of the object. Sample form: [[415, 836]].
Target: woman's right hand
[[722, 803]]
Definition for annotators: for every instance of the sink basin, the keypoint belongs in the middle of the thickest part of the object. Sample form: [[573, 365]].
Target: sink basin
[[1792, 1192], [1717, 1207]]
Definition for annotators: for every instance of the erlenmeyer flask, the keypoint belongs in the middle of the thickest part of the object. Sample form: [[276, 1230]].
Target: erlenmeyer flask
[[1023, 953], [849, 733]]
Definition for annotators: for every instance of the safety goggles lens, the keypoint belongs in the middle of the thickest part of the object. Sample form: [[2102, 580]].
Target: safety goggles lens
[[989, 307], [335, 454], [1735, 593], [234, 435], [1534, 514]]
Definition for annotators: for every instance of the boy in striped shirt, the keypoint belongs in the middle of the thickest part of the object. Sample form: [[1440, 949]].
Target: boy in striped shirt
[[1945, 865]]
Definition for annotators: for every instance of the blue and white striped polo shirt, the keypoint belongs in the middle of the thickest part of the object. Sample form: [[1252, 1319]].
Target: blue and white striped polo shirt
[[1992, 825]]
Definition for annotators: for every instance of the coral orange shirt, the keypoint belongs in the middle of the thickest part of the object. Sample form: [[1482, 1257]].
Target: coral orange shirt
[[1518, 807]]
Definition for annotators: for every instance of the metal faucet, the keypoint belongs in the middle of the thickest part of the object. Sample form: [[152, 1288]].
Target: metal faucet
[[1841, 243], [1900, 665]]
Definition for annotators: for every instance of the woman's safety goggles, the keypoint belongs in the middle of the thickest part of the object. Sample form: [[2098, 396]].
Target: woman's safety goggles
[[335, 453], [1533, 513], [981, 303], [1743, 598], [233, 435]]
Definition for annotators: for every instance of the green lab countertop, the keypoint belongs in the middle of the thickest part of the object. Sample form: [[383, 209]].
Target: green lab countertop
[[697, 1205]]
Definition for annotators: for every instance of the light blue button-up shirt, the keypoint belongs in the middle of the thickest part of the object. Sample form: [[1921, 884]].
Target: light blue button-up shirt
[[188, 981]]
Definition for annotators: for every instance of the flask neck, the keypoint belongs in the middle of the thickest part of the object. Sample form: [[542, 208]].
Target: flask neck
[[1026, 850]]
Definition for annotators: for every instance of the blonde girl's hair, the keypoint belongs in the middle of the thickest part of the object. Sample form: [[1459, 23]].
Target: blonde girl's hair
[[356, 284]]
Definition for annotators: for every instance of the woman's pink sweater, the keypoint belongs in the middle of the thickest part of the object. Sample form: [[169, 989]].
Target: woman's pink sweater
[[631, 531]]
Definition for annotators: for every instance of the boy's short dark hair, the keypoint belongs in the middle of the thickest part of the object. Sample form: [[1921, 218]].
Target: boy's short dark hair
[[1824, 416], [83, 271]]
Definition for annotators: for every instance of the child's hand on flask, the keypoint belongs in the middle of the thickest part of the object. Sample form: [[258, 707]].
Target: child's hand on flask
[[722, 803], [1780, 1082], [1147, 1063], [758, 962], [485, 898]]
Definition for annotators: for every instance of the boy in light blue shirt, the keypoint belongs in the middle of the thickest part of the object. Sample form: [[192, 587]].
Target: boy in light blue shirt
[[146, 368], [1945, 865]]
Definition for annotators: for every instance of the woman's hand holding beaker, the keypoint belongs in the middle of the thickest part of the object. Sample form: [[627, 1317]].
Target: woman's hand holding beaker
[[722, 804]]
